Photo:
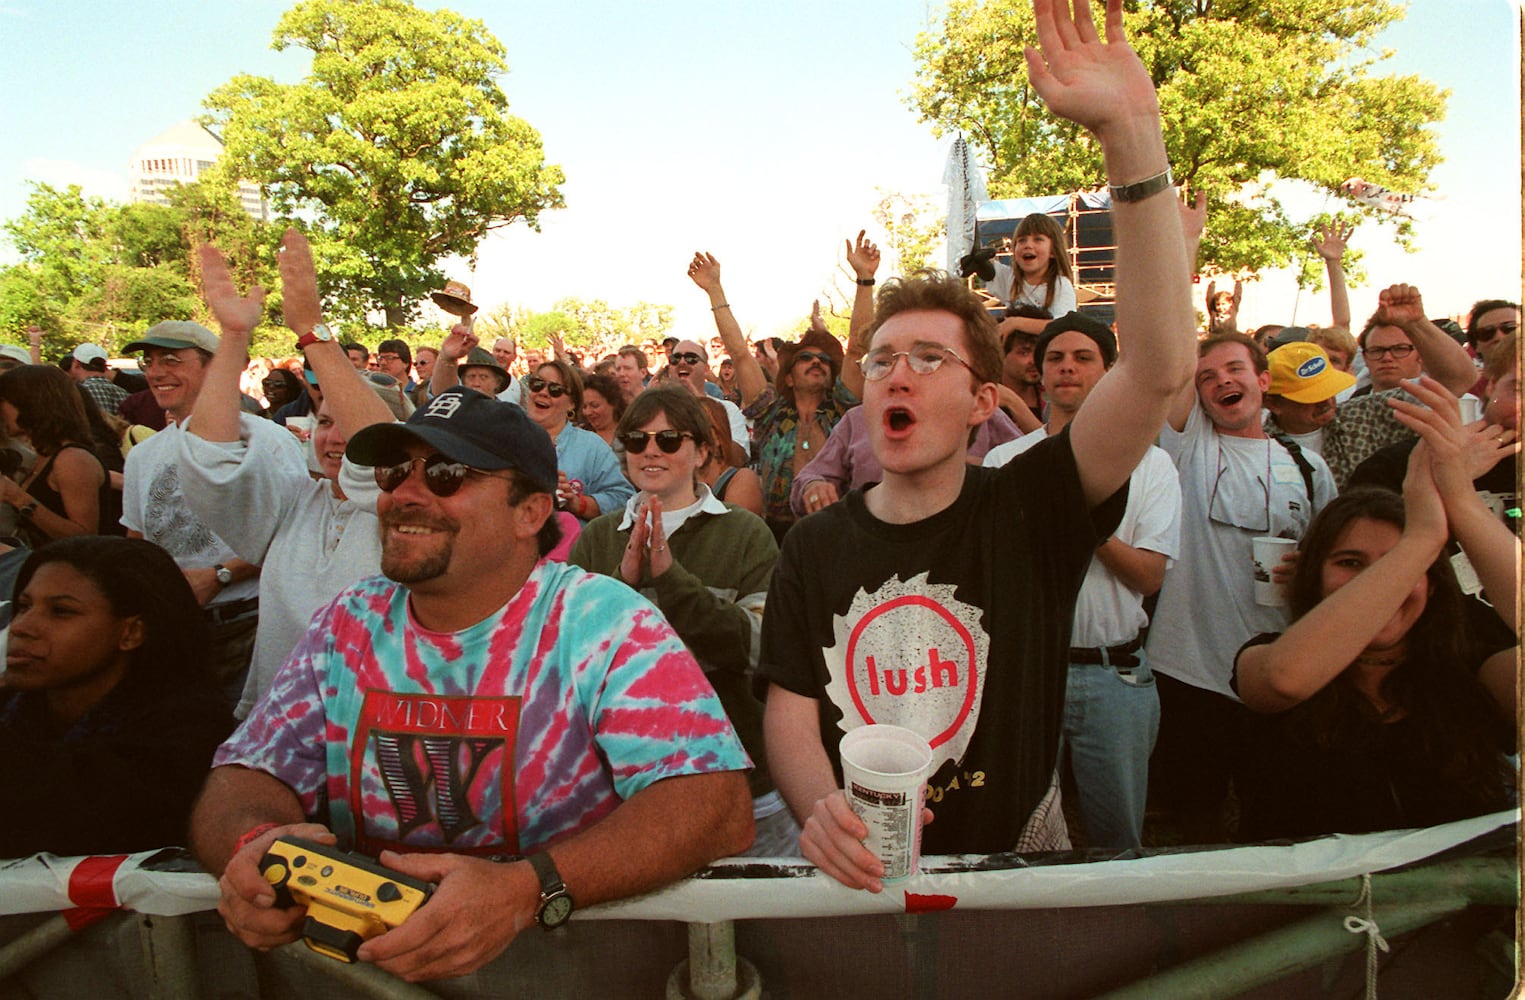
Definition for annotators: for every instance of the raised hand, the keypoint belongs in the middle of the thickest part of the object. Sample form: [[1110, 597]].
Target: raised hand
[[1100, 85], [704, 270], [300, 305], [1193, 225], [238, 315], [817, 321], [1400, 306], [458, 343], [862, 255], [1331, 239]]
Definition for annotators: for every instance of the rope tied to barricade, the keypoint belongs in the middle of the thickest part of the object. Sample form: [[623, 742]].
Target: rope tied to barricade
[[1367, 925]]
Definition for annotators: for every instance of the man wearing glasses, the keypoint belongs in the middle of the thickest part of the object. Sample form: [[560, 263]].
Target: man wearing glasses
[[175, 358], [941, 599], [689, 364], [478, 700], [1397, 343]]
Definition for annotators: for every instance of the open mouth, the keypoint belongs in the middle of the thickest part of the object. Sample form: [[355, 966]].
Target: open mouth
[[898, 419], [1230, 399]]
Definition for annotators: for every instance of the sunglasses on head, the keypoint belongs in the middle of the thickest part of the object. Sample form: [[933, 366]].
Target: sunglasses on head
[[443, 476], [669, 441], [536, 383], [687, 358]]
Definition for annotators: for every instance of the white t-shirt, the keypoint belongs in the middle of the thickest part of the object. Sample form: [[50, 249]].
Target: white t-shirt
[[1233, 490], [1108, 612], [1009, 286]]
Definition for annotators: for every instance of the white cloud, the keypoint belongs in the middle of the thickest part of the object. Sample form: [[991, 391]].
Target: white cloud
[[106, 184]]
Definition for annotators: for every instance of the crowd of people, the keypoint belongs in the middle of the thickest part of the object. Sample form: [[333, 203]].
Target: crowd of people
[[548, 629]]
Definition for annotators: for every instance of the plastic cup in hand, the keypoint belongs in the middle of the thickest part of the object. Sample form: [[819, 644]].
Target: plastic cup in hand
[[1267, 553], [1471, 409], [885, 769]]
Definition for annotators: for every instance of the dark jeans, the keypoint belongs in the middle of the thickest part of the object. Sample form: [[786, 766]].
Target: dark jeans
[[1195, 758]]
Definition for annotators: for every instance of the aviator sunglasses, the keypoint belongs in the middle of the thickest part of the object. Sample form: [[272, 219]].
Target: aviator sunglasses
[[669, 440], [442, 475], [535, 384]]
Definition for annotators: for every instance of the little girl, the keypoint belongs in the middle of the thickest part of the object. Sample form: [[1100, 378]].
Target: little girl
[[1041, 260]]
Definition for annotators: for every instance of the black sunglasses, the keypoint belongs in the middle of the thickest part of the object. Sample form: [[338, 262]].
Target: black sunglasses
[[813, 356], [443, 476], [535, 384], [687, 358], [669, 441]]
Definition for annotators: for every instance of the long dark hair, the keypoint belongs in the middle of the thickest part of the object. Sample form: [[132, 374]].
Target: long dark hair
[[138, 578], [48, 407], [1434, 684]]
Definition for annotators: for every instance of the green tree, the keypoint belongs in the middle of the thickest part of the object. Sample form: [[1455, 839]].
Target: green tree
[[1251, 91], [913, 226], [62, 239], [398, 145]]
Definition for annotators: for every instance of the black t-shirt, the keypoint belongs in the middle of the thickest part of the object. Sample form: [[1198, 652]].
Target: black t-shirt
[[883, 623], [1376, 776], [121, 779]]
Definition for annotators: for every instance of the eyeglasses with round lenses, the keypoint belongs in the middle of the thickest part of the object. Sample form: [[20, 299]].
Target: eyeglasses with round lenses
[[669, 440], [1398, 351], [536, 383], [443, 476], [924, 359], [164, 360]]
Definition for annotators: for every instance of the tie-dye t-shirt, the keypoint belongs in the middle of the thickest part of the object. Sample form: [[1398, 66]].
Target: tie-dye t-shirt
[[520, 730]]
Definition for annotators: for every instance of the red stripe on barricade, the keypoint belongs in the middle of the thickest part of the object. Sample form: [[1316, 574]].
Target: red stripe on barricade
[[90, 884], [81, 917], [929, 903]]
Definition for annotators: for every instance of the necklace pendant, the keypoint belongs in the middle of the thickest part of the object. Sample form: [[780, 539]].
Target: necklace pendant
[[806, 445]]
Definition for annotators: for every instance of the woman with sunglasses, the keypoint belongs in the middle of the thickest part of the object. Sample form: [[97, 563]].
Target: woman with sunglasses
[[1385, 707], [704, 563], [591, 481], [108, 720], [248, 482], [280, 387]]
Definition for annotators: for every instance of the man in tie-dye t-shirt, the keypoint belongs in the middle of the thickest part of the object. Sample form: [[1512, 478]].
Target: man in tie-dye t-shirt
[[477, 700]]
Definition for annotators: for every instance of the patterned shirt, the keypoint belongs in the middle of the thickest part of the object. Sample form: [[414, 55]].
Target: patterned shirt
[[106, 393], [775, 422], [503, 737], [1361, 426]]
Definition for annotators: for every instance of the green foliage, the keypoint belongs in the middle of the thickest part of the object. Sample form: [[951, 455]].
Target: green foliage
[[398, 145], [913, 226], [96, 271], [581, 323], [1251, 91]]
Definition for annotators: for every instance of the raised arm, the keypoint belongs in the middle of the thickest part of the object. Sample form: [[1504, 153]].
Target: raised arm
[[1444, 359], [863, 258], [704, 270], [458, 343], [1316, 648], [1104, 87], [349, 398], [215, 415], [1193, 224], [1330, 245]]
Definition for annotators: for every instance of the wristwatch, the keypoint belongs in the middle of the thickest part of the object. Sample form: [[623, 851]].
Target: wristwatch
[[319, 332], [224, 575], [555, 901]]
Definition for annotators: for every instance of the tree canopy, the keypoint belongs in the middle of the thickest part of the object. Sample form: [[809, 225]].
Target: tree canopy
[[1250, 91], [398, 146], [96, 271]]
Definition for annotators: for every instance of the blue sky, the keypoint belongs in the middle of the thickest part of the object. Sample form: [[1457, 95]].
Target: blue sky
[[760, 132]]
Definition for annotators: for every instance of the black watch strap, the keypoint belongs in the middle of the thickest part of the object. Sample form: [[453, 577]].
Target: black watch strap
[[555, 906]]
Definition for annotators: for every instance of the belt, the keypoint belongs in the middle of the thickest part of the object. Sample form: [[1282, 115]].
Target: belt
[[1118, 656], [222, 614]]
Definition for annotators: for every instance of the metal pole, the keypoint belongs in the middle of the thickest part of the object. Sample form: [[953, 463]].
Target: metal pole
[[713, 971], [361, 977], [1280, 953], [34, 943], [1482, 881]]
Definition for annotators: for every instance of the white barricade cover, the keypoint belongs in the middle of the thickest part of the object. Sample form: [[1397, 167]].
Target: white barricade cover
[[167, 883]]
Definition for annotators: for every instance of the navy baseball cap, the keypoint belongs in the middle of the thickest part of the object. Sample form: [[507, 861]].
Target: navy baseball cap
[[468, 427]]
